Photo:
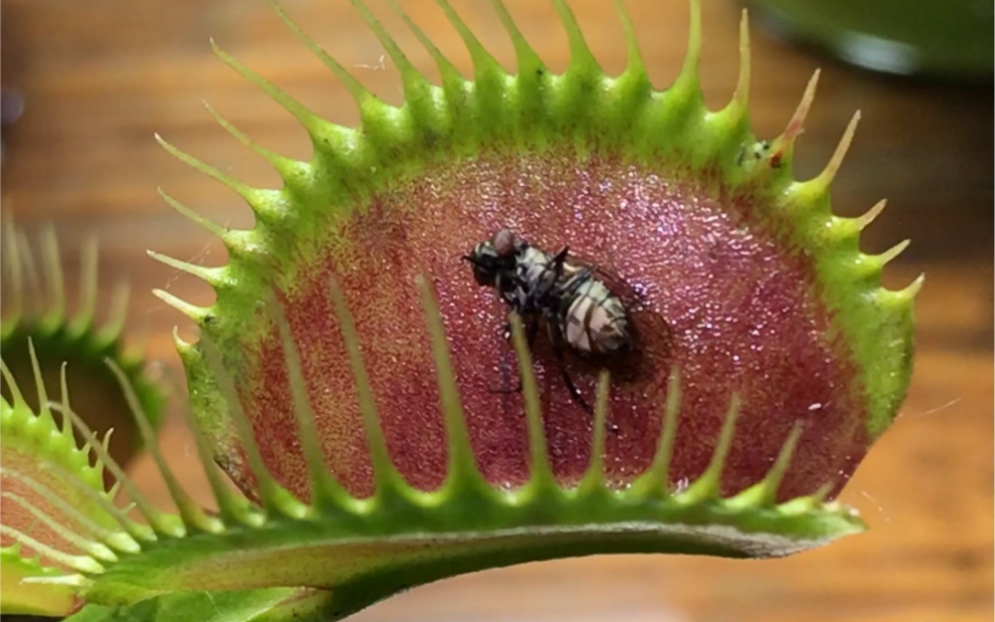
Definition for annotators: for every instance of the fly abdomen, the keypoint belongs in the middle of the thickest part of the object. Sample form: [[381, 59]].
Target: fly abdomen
[[593, 320]]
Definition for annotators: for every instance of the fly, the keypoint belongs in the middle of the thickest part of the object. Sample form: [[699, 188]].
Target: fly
[[578, 308]]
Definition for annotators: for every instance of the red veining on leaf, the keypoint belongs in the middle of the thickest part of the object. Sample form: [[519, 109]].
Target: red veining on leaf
[[23, 461], [741, 304]]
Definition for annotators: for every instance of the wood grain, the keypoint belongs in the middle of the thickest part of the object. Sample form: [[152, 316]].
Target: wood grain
[[100, 78]]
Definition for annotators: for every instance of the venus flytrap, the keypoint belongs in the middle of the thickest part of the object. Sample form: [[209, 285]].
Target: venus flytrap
[[344, 376], [36, 310]]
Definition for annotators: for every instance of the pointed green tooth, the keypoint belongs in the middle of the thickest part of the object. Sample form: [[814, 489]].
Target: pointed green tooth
[[328, 494], [211, 276], [581, 58], [291, 171], [85, 312], [527, 59], [764, 492], [657, 477], [446, 69], [462, 472], [542, 481], [190, 512], [593, 481], [263, 202], [359, 92], [883, 259], [809, 192], [870, 215], [783, 147], [688, 77], [486, 67], [414, 82], [110, 331], [708, 486], [741, 96], [34, 283], [195, 313], [635, 66], [219, 232], [162, 523], [333, 142], [388, 483]]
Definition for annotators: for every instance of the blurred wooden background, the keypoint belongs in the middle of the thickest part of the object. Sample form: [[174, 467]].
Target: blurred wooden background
[[100, 78]]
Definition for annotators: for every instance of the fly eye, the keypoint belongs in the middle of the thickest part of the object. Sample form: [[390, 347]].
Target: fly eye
[[504, 243]]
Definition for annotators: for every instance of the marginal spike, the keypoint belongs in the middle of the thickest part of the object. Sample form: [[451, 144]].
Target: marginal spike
[[358, 91], [15, 392], [314, 124], [912, 289], [385, 475], [409, 73], [689, 70], [208, 275], [594, 477], [190, 512], [707, 486], [280, 163], [161, 522], [77, 581], [194, 216], [764, 492], [88, 285], [53, 276], [870, 215], [233, 509], [802, 505], [34, 285], [93, 549], [741, 96], [195, 313], [118, 313], [43, 403], [776, 474], [462, 464], [483, 62], [526, 56], [12, 259], [634, 64], [446, 68], [786, 141], [825, 178], [250, 194], [542, 476], [890, 254], [580, 53], [657, 478], [80, 563], [275, 499], [325, 489]]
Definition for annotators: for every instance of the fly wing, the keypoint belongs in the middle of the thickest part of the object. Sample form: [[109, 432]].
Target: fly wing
[[632, 296], [652, 336]]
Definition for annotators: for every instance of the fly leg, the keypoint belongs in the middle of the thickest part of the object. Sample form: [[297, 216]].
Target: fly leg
[[531, 331], [557, 340]]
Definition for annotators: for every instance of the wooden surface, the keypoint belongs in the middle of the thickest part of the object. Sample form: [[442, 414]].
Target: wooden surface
[[100, 78]]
